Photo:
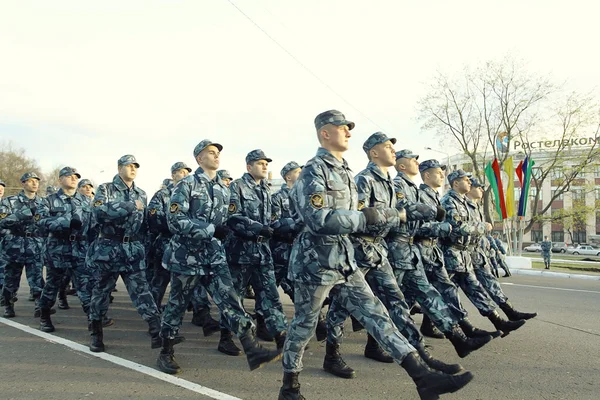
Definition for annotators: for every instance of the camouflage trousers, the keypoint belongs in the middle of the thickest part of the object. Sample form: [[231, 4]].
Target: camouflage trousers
[[547, 258], [414, 284], [356, 297], [137, 287], [490, 283], [382, 282], [438, 276], [220, 287], [281, 279], [12, 277], [267, 300], [83, 282], [468, 282], [2, 266]]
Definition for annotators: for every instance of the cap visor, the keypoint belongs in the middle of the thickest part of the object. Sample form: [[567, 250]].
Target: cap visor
[[443, 167], [350, 124], [393, 140], [77, 175], [188, 169]]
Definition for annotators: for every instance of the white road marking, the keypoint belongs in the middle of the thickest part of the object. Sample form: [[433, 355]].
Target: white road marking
[[548, 287], [123, 362]]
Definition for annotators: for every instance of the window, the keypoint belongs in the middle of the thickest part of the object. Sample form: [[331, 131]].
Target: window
[[560, 197], [579, 237], [537, 236], [578, 194], [558, 236], [536, 172], [597, 192], [597, 170], [532, 192], [557, 173]]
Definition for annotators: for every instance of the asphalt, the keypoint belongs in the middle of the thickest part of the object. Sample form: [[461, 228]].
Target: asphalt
[[554, 356]]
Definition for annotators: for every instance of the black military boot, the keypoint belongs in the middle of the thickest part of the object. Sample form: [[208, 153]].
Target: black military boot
[[9, 308], [290, 389], [416, 309], [514, 315], [335, 364], [226, 345], [37, 313], [256, 355], [430, 384], [464, 345], [46, 321], [503, 325], [154, 331], [374, 351], [280, 340], [321, 328], [356, 325], [166, 359], [203, 318], [437, 364], [261, 329], [107, 321], [429, 330], [96, 337], [63, 304], [472, 332]]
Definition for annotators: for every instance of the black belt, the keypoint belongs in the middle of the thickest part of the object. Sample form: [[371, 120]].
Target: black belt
[[426, 241], [401, 239], [26, 234], [71, 237], [119, 237], [371, 239], [258, 239], [460, 247]]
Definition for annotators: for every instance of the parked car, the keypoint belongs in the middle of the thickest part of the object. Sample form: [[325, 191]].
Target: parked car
[[535, 247], [560, 247], [585, 250]]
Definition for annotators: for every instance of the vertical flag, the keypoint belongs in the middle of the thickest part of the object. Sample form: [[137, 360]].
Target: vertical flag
[[489, 173], [526, 168], [510, 187], [519, 172], [496, 168]]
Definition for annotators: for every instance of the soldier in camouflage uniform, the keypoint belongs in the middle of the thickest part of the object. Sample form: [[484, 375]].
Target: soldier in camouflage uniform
[[427, 236], [195, 256], [3, 234], [406, 260], [248, 251], [225, 177], [481, 263], [376, 189], [119, 208], [547, 252], [24, 244], [322, 263], [85, 187], [500, 254], [457, 250], [67, 217]]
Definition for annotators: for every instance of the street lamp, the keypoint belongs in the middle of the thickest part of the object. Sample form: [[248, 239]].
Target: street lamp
[[447, 157]]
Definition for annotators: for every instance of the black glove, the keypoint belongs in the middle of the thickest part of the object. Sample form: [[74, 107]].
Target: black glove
[[372, 215], [266, 232], [75, 223], [441, 214], [221, 232], [128, 206]]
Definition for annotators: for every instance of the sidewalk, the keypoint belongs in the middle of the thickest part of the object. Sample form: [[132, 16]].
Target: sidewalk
[[551, 274]]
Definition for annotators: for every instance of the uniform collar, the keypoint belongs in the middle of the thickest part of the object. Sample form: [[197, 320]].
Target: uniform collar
[[24, 198], [403, 176], [118, 182], [249, 179], [374, 168], [330, 159]]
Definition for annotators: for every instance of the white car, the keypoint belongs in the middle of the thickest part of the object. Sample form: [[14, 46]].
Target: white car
[[584, 250], [535, 247]]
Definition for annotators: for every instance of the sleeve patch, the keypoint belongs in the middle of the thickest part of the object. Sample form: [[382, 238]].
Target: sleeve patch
[[399, 195], [173, 209], [232, 208], [152, 211], [97, 203], [36, 217], [316, 201], [273, 217], [3, 215], [361, 204], [456, 217]]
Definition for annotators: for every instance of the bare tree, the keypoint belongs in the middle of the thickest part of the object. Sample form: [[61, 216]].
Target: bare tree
[[13, 164]]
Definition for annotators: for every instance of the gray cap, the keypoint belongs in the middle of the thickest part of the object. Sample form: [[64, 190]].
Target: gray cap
[[204, 144], [256, 155], [333, 117], [51, 189], [224, 174], [475, 183], [128, 159], [2, 183], [84, 182], [167, 181], [292, 165], [406, 154], [29, 175], [375, 139], [180, 165], [454, 175], [68, 171], [428, 164]]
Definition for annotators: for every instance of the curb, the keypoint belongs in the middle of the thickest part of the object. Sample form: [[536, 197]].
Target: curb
[[549, 274]]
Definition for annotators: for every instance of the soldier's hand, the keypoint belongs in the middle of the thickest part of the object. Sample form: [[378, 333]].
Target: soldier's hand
[[441, 214], [139, 205], [221, 232], [372, 215], [75, 223], [266, 232], [489, 227]]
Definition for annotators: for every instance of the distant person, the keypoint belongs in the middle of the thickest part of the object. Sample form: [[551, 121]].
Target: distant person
[[547, 252]]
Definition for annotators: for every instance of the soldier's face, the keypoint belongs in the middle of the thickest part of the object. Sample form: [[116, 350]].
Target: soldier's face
[[68, 182], [258, 169], [462, 185], [179, 174], [208, 158], [476, 193], [293, 175], [337, 137], [226, 181], [1, 191], [86, 190], [128, 172], [434, 177], [31, 185], [384, 154]]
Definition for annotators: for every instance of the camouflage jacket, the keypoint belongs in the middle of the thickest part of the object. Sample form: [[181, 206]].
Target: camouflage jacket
[[546, 247], [20, 216], [455, 246], [249, 211], [198, 205], [158, 226], [286, 229], [118, 218], [375, 189], [431, 253], [65, 246]]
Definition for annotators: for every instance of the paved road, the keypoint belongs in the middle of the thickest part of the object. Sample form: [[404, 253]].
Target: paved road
[[555, 356]]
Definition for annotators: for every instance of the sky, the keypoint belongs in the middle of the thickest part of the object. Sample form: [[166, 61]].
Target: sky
[[83, 83]]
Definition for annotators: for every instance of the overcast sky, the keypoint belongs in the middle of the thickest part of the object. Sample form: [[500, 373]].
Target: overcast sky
[[83, 83]]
